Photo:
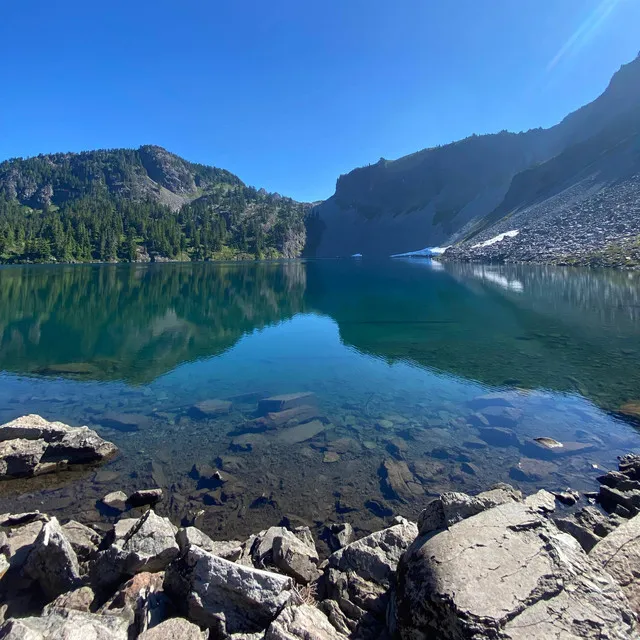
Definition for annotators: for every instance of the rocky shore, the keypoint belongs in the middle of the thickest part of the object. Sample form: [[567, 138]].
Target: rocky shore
[[492, 565]]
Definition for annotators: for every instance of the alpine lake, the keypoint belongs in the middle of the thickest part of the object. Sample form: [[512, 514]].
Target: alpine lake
[[420, 377]]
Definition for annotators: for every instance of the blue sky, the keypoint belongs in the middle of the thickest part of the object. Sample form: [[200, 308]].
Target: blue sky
[[289, 94]]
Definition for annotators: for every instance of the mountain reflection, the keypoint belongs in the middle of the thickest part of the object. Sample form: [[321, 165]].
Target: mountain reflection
[[534, 327], [136, 322]]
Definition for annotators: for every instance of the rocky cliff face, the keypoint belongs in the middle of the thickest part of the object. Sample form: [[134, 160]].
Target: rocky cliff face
[[457, 192]]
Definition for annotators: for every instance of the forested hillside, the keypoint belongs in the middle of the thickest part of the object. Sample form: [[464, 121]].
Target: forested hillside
[[138, 204]]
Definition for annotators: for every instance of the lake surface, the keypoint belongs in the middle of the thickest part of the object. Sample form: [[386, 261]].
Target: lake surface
[[398, 354]]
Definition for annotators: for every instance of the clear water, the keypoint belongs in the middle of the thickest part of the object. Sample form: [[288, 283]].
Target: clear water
[[395, 351]]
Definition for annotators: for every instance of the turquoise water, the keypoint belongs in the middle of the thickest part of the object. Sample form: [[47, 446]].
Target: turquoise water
[[396, 353]]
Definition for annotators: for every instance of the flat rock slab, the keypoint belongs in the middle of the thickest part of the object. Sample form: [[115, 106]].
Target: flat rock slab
[[210, 409], [507, 573], [540, 449], [174, 629], [302, 432], [619, 554], [124, 421], [286, 401], [304, 622]]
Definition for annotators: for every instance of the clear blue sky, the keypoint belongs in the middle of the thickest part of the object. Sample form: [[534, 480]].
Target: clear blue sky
[[288, 94]]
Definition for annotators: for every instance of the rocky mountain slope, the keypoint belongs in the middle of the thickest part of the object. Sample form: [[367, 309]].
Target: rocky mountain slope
[[470, 191], [129, 204]]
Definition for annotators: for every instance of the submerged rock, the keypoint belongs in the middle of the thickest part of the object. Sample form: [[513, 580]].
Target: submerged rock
[[506, 572], [286, 401], [145, 497], [31, 446], [210, 409], [124, 421]]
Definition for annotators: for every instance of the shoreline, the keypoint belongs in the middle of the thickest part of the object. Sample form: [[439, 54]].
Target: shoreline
[[473, 565]]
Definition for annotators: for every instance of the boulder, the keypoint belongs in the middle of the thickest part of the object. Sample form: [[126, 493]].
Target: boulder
[[140, 600], [588, 526], [339, 535], [210, 409], [66, 624], [507, 573], [301, 432], [224, 596], [258, 549], [147, 544], [619, 555], [124, 421], [31, 446], [84, 541], [397, 481], [228, 549], [174, 629], [145, 497], [79, 600], [452, 506], [302, 623], [295, 558], [116, 500], [53, 563], [285, 401], [20, 457], [499, 436], [361, 576]]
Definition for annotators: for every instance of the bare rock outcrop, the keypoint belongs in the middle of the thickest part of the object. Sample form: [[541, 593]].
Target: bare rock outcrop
[[510, 573]]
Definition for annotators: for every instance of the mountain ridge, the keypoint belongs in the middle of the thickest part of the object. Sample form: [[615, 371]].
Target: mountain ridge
[[137, 205], [442, 195]]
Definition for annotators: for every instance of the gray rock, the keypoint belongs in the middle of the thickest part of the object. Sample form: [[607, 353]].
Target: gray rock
[[79, 600], [174, 629], [506, 573], [499, 436], [257, 551], [375, 557], [31, 446], [302, 623], [147, 544], [452, 506], [541, 502], [225, 596], [84, 541], [145, 497], [619, 555], [210, 409], [587, 526], [66, 624], [295, 558], [53, 563], [116, 500], [19, 458], [141, 601], [339, 535], [228, 549], [360, 577], [336, 617]]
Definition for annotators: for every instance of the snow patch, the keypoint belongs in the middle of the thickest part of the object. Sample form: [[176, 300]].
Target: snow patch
[[357, 255], [422, 253], [495, 239]]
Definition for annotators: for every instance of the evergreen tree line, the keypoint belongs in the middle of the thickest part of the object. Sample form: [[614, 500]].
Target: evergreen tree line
[[232, 222]]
